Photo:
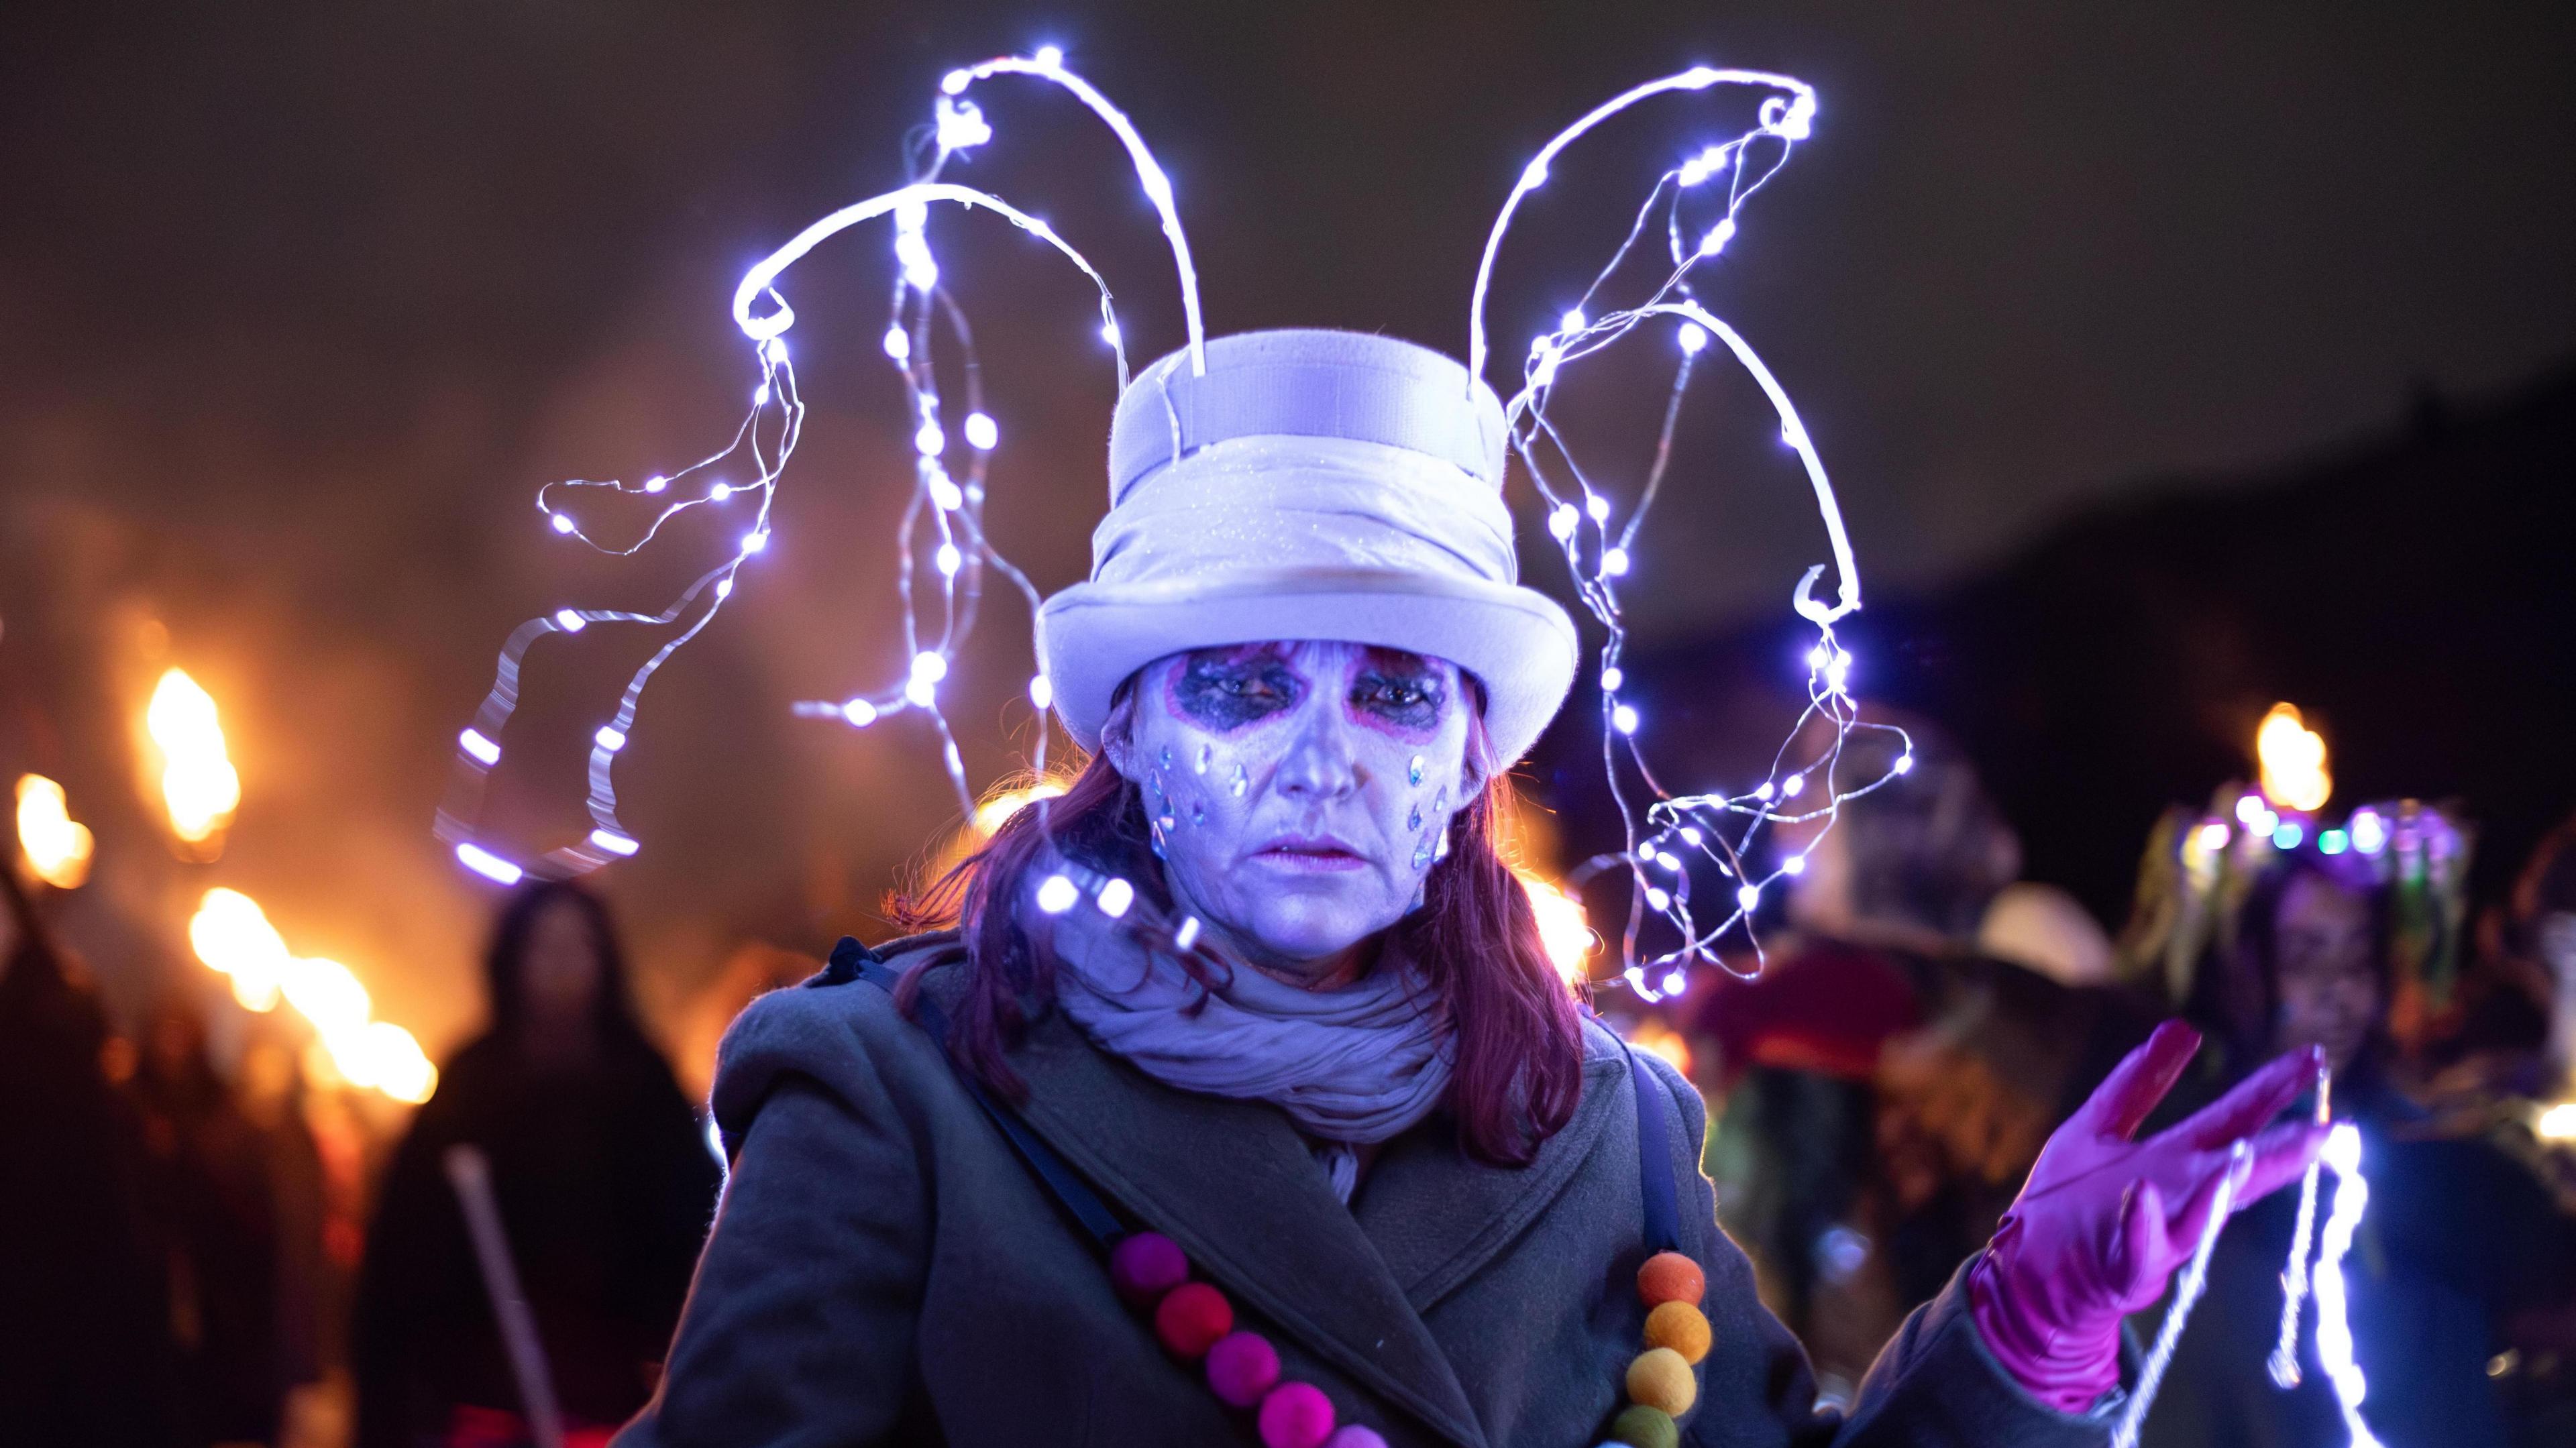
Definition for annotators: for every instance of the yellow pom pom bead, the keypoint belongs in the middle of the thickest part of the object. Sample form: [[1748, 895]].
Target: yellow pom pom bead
[[1661, 1379], [1679, 1326]]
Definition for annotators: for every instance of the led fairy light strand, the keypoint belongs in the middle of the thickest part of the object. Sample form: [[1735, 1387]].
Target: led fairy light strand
[[2186, 1295], [2334, 1323], [919, 306], [2284, 1364], [1678, 833]]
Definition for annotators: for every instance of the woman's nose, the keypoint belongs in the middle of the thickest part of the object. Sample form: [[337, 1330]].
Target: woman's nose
[[1321, 764]]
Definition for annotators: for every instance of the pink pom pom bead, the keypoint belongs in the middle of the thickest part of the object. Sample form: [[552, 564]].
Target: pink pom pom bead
[[1241, 1367], [1298, 1415], [1355, 1436], [1145, 1265]]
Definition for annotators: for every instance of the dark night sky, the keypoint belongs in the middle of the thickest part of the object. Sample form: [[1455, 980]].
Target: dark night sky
[[297, 308]]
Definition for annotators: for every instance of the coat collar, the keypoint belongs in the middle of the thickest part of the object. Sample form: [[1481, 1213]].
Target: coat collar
[[1237, 1188]]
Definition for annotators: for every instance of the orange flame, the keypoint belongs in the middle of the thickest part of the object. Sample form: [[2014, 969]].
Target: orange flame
[[1562, 926], [198, 782], [2293, 757], [232, 935], [57, 848]]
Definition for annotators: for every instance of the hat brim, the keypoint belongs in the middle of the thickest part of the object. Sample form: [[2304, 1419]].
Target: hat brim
[[1516, 641]]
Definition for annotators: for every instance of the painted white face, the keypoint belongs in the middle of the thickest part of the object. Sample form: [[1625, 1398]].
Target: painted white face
[[1299, 791]]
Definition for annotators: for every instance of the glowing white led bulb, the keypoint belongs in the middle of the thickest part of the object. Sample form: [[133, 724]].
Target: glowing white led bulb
[[898, 344], [1693, 338], [1794, 865], [1748, 896], [718, 492], [1611, 679], [1793, 786], [930, 440], [1624, 719], [1562, 521], [859, 712], [981, 433], [488, 865], [560, 523], [1041, 692], [1614, 561], [484, 751], [656, 483], [569, 621], [1718, 236], [755, 541], [1598, 506], [1056, 894], [1115, 897], [613, 842], [609, 737], [1658, 899], [949, 559], [1572, 321]]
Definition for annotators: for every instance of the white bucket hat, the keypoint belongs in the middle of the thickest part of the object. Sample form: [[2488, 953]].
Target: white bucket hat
[[1310, 485]]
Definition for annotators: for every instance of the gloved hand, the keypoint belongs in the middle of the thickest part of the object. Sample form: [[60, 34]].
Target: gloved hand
[[2104, 1221]]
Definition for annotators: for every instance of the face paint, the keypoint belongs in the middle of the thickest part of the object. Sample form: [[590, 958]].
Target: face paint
[[1317, 795]]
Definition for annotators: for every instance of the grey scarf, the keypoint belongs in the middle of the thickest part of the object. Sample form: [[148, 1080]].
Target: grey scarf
[[1358, 1064]]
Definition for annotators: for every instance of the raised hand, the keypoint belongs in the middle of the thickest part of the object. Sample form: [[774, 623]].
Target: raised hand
[[2104, 1220]]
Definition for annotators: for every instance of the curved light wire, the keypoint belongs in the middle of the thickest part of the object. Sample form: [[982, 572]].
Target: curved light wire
[[1047, 65], [1534, 175]]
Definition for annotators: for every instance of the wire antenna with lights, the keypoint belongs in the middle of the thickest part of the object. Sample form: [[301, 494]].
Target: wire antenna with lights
[[943, 520], [1672, 840]]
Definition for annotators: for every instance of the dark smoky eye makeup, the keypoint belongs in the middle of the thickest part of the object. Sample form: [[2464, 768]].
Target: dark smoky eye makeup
[[1224, 689], [1411, 698]]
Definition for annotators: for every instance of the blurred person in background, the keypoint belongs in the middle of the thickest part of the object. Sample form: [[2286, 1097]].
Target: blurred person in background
[[84, 1322], [2459, 1238], [214, 1202], [2542, 942], [604, 1183], [1888, 1081]]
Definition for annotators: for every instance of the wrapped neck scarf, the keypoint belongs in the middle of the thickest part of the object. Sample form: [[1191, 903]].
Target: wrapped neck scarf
[[1349, 1066]]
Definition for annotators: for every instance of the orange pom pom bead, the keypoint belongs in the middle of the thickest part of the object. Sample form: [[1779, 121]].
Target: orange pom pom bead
[[1661, 1380], [1670, 1277], [1679, 1326]]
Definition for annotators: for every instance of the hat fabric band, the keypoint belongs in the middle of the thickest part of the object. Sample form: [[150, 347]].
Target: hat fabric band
[[1305, 502], [1308, 384]]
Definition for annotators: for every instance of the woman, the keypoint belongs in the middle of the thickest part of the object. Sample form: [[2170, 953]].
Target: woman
[[1255, 1004], [604, 1184], [2457, 1238]]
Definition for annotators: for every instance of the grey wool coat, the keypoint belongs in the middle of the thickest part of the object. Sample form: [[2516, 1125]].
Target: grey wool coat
[[883, 1268]]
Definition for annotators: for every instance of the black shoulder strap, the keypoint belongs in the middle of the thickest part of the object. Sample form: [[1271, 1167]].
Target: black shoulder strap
[[853, 960], [1655, 1159]]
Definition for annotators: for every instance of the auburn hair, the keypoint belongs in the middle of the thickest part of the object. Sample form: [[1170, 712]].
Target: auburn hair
[[1517, 1063]]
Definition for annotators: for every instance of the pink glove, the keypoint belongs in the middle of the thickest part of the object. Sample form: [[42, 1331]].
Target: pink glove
[[2090, 1239]]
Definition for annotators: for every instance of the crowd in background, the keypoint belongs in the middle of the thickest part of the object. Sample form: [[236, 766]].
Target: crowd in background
[[202, 1255]]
